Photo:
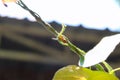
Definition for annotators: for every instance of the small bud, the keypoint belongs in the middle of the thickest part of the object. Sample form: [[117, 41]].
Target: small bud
[[62, 38]]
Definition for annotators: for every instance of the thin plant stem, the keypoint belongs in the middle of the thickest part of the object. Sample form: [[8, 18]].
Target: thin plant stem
[[60, 37]]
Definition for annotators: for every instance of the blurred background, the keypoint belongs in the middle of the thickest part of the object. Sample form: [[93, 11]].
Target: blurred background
[[28, 52]]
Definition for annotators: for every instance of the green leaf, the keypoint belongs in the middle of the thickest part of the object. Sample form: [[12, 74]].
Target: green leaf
[[99, 67], [73, 72]]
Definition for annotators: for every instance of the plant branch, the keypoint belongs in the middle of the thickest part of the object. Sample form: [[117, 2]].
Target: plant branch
[[60, 37]]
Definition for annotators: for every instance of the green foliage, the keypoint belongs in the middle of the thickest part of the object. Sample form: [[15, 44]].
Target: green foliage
[[73, 72]]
